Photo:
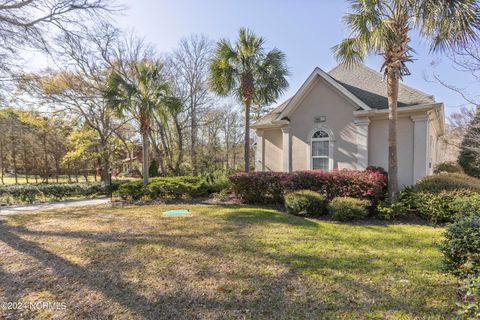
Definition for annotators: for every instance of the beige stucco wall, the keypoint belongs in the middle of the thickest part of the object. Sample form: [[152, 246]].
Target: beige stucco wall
[[273, 149], [323, 100], [417, 137], [378, 147]]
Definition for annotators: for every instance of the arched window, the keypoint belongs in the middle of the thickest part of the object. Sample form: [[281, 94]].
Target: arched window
[[320, 146]]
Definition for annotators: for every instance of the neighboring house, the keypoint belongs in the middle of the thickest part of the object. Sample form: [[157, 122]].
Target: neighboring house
[[339, 120]]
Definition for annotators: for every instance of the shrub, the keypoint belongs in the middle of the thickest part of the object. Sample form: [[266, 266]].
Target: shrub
[[306, 203], [269, 187], [448, 167], [163, 188], [176, 187], [346, 208], [462, 242], [216, 181], [259, 187], [447, 182], [29, 193], [131, 191], [438, 207]]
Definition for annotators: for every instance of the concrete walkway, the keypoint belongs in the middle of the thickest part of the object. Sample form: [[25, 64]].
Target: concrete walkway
[[52, 205]]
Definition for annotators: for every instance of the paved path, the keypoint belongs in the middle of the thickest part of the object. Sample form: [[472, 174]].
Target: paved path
[[53, 205]]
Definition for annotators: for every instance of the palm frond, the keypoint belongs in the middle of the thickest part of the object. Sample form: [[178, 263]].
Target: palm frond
[[448, 24]]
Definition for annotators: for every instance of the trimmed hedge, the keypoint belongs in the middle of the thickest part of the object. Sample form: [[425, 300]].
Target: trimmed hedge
[[164, 188], [306, 203], [269, 187], [347, 209], [259, 187], [447, 182], [29, 193]]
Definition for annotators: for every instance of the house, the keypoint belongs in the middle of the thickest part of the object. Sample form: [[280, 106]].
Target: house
[[339, 120]]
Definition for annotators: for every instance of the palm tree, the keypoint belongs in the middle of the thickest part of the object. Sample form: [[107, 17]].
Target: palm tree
[[249, 74], [384, 26], [144, 94]]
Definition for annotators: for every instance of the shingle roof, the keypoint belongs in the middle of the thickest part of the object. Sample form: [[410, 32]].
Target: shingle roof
[[367, 85], [370, 86]]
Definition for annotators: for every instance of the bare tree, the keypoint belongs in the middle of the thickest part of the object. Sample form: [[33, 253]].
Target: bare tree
[[78, 87], [188, 68], [33, 24]]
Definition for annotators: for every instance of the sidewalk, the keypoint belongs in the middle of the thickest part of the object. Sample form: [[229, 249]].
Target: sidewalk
[[53, 205]]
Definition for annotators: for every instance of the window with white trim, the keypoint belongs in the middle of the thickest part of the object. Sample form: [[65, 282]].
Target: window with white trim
[[320, 146]]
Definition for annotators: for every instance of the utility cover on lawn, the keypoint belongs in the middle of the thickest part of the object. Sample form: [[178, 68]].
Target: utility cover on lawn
[[176, 213]]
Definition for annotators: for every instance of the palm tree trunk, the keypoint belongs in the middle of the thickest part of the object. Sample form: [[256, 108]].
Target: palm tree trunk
[[247, 136], [392, 93], [145, 157]]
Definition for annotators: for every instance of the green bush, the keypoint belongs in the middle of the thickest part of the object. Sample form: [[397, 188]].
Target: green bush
[[29, 193], [131, 191], [176, 187], [217, 181], [438, 207], [447, 182], [346, 209], [164, 188], [448, 167], [306, 203], [462, 242]]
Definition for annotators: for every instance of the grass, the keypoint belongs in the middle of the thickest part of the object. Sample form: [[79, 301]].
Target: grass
[[221, 262]]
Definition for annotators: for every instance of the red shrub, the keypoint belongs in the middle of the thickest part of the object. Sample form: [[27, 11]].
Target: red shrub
[[259, 187], [269, 187]]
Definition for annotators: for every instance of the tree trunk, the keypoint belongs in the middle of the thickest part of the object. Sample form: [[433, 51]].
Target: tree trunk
[[158, 154], [2, 164], [46, 169], [392, 92], [193, 140], [14, 158], [180, 145], [25, 160], [247, 136], [145, 157]]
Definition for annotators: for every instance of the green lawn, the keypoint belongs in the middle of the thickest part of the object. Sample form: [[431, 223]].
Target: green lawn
[[222, 262]]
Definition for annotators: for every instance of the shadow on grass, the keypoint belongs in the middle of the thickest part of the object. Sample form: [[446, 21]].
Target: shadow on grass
[[267, 299]]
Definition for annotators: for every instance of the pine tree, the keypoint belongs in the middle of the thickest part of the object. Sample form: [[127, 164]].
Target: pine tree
[[469, 157], [153, 169]]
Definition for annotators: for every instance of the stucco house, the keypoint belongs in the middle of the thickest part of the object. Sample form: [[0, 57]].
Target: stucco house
[[338, 120]]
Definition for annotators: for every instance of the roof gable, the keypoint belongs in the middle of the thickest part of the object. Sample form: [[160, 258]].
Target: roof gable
[[291, 104], [361, 85]]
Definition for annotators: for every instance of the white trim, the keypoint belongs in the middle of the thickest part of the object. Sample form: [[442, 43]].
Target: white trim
[[331, 144], [362, 143], [420, 146], [306, 85], [287, 149], [260, 152]]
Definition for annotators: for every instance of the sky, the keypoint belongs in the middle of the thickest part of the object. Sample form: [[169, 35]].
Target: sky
[[305, 30]]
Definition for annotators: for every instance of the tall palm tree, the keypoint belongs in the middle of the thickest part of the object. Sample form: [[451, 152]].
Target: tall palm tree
[[144, 94], [248, 73], [384, 27]]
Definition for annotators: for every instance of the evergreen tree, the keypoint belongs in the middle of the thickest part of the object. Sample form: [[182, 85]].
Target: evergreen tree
[[153, 169], [469, 157]]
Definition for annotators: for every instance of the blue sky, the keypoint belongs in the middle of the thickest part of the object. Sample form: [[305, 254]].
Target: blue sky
[[304, 29]]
